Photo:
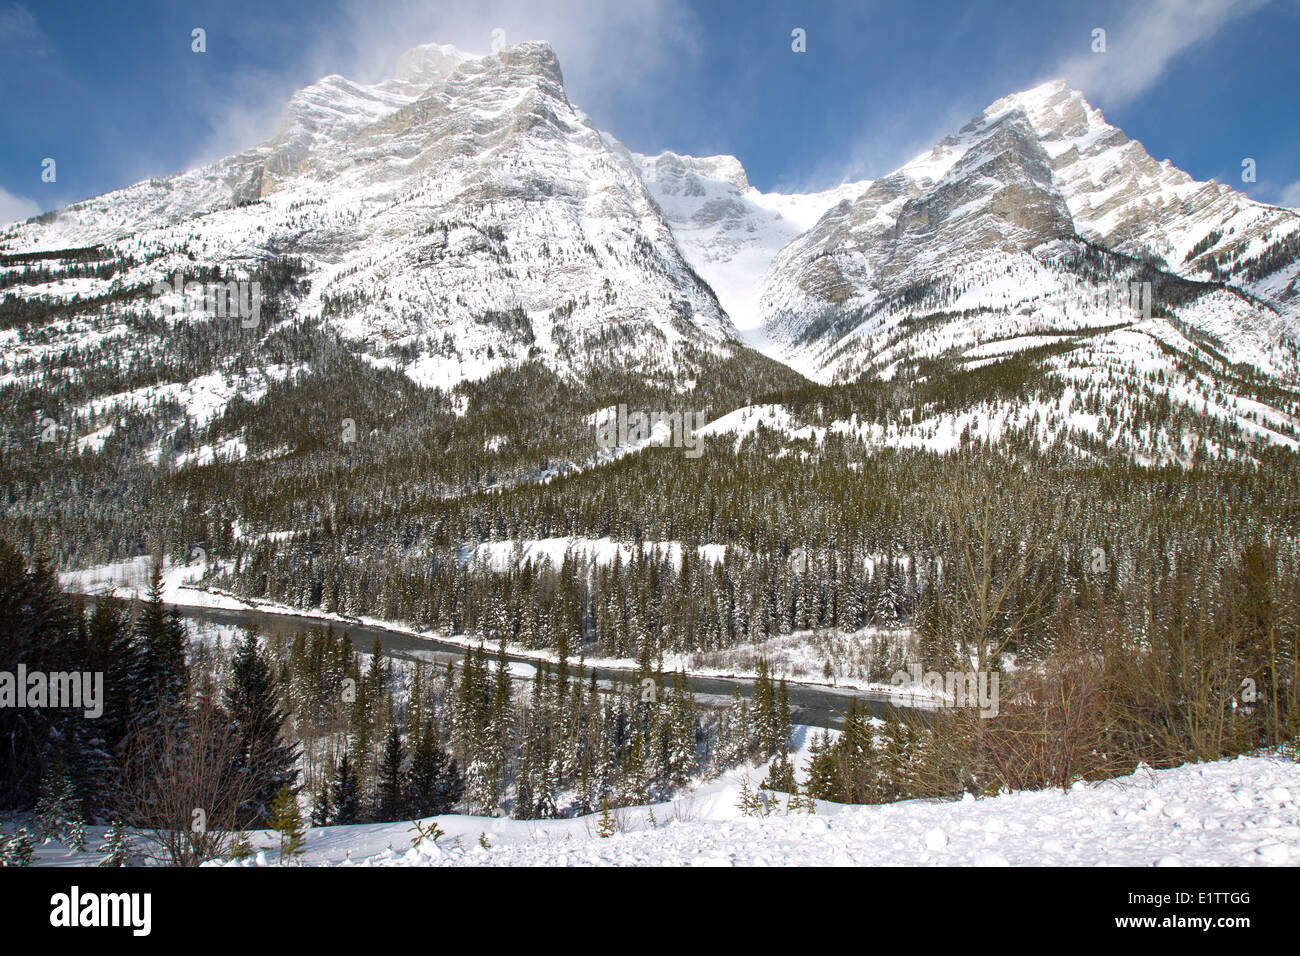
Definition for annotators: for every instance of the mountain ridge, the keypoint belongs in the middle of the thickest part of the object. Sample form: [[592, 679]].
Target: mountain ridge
[[462, 218]]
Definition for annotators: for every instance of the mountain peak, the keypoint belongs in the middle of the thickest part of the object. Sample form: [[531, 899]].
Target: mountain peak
[[428, 62], [535, 56], [1054, 108], [669, 166], [1048, 90]]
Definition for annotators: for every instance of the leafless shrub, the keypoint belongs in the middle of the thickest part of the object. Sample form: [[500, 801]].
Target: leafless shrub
[[182, 793], [684, 808]]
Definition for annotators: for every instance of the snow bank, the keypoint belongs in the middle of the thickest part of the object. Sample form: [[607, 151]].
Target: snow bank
[[1244, 811]]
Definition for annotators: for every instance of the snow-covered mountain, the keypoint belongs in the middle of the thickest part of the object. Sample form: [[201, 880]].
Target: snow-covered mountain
[[1020, 192], [463, 216], [1120, 197], [462, 213], [1025, 233]]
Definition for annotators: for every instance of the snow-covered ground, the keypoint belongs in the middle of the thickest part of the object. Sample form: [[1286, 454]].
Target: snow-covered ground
[[130, 579], [501, 555], [1234, 812], [1244, 811]]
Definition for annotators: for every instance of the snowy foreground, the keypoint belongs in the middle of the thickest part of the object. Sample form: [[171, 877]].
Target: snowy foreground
[[1244, 811], [1230, 813]]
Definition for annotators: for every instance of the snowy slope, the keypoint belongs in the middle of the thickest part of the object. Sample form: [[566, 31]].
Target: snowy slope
[[728, 230], [1239, 812]]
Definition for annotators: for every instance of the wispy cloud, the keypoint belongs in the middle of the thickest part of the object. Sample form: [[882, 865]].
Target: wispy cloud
[[19, 31], [1145, 41], [608, 52], [16, 208], [25, 50], [1291, 195]]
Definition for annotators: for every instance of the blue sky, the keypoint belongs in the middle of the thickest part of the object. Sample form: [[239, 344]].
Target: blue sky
[[114, 93]]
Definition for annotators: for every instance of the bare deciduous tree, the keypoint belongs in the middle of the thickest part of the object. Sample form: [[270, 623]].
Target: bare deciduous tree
[[183, 793]]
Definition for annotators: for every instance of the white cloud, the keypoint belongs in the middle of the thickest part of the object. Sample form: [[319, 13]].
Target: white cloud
[[19, 28], [16, 208], [1141, 46], [1291, 195]]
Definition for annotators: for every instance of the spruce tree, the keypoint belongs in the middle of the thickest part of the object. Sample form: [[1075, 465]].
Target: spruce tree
[[525, 801], [162, 639], [58, 811], [117, 844], [286, 820], [823, 777], [606, 827], [784, 723], [252, 700], [111, 650], [343, 794], [780, 775], [390, 790], [39, 628], [433, 784], [322, 811]]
